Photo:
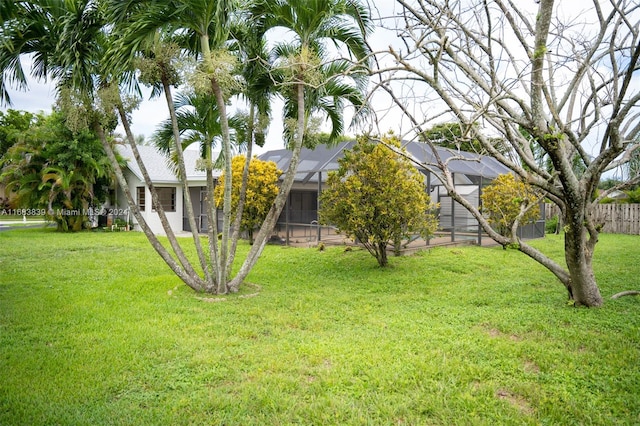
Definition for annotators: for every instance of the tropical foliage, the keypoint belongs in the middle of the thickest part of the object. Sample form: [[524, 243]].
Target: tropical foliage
[[311, 79], [12, 124], [198, 122], [54, 170], [378, 198], [261, 190], [98, 51]]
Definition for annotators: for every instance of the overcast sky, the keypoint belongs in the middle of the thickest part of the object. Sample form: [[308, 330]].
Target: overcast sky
[[40, 96]]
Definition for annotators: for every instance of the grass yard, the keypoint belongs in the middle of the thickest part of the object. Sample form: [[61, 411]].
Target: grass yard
[[94, 329]]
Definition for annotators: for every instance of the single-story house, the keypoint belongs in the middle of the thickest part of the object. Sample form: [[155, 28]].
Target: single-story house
[[471, 174], [168, 188], [301, 210]]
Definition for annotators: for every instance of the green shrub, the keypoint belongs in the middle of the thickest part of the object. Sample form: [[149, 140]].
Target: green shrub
[[634, 196], [551, 225], [608, 200]]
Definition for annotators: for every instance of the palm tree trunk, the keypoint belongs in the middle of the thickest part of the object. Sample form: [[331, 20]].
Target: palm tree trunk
[[226, 208], [281, 198], [192, 281], [177, 249], [212, 229], [221, 258], [235, 235], [183, 179]]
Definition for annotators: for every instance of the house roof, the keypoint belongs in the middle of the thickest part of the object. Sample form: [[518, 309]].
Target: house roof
[[324, 159], [312, 161], [159, 165], [467, 163]]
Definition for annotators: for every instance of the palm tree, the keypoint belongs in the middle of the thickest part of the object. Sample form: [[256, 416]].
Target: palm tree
[[307, 79], [67, 40], [329, 99], [303, 68], [199, 122], [249, 44], [58, 171], [21, 167], [203, 29], [156, 63], [28, 29], [67, 191]]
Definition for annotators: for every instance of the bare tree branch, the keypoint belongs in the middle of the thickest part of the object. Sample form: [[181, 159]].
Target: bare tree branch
[[554, 84]]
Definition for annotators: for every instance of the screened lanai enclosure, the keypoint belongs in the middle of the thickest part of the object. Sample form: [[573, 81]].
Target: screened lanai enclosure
[[298, 222]]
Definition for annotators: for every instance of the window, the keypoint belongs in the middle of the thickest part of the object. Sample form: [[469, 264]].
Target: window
[[167, 198], [141, 195]]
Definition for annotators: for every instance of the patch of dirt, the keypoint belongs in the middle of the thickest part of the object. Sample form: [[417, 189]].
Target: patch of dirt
[[531, 367], [242, 296], [494, 332], [515, 400]]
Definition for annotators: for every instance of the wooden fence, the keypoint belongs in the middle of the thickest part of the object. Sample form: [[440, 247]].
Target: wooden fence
[[617, 218]]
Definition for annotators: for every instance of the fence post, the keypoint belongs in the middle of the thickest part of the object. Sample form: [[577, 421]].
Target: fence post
[[453, 213], [318, 204], [480, 205]]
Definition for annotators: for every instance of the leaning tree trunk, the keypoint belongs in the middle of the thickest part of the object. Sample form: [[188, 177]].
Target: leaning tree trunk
[[192, 281], [237, 222], [177, 249], [279, 202], [188, 206]]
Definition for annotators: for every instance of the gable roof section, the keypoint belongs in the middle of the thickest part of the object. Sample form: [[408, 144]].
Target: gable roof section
[[324, 159], [159, 166]]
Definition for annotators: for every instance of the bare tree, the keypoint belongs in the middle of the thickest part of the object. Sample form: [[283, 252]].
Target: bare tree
[[540, 78]]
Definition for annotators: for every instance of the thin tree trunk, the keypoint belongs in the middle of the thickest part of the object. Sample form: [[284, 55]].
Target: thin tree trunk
[[279, 202], [543, 22], [192, 281], [226, 208], [560, 224], [212, 218], [235, 235], [218, 256], [183, 179], [177, 249]]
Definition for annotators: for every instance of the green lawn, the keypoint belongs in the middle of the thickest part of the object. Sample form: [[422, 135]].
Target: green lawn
[[94, 329]]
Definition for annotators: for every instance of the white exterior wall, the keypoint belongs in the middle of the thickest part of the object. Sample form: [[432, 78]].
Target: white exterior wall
[[151, 216]]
